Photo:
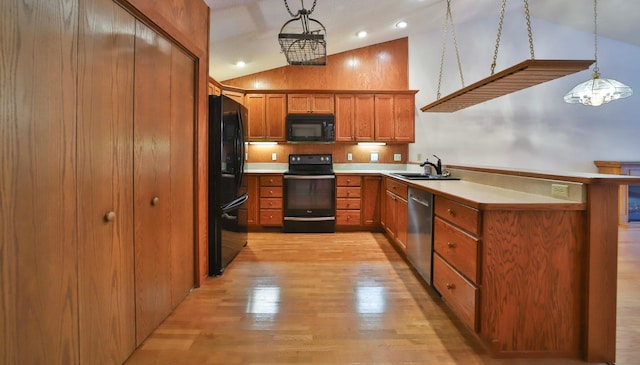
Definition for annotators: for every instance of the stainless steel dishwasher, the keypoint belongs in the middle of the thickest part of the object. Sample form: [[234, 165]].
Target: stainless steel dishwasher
[[420, 232]]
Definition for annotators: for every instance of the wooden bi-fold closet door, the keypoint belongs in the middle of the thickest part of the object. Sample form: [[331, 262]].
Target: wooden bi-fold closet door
[[163, 177], [105, 183]]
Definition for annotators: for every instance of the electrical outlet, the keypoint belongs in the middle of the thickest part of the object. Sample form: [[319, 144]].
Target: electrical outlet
[[560, 190], [349, 156], [374, 156], [397, 157], [419, 156], [274, 157], [246, 156]]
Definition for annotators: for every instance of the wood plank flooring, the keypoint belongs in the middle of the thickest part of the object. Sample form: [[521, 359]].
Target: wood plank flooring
[[344, 298]]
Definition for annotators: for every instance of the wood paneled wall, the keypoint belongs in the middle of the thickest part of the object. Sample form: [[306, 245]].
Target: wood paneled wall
[[360, 154], [383, 66]]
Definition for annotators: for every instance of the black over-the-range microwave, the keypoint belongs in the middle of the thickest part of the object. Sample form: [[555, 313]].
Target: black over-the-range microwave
[[311, 128]]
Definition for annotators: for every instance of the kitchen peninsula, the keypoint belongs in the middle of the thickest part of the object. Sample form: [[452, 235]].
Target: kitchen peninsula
[[544, 268]]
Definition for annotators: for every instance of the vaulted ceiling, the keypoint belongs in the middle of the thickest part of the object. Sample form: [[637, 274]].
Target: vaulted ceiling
[[247, 29]]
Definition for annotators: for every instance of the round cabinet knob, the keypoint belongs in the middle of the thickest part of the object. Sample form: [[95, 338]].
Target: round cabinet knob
[[155, 201], [450, 245], [450, 286], [451, 212], [109, 216]]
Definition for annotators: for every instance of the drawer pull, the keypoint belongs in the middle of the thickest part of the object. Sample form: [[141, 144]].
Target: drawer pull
[[451, 212], [450, 286], [450, 245], [155, 201], [270, 203]]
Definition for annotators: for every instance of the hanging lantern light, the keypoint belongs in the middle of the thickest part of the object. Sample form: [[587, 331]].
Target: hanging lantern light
[[597, 91], [306, 44]]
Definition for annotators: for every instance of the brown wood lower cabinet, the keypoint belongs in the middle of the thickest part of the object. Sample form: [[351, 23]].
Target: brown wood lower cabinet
[[395, 212], [348, 200], [510, 276], [271, 200]]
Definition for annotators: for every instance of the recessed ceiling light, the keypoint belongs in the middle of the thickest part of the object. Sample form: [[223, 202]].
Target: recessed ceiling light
[[240, 64], [401, 24], [362, 34]]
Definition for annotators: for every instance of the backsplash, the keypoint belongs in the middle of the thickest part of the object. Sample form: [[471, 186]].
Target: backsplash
[[388, 154]]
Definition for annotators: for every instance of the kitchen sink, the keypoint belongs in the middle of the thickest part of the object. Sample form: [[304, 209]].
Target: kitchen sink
[[420, 176]]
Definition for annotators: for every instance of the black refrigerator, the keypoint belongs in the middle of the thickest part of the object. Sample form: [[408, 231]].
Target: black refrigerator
[[227, 186]]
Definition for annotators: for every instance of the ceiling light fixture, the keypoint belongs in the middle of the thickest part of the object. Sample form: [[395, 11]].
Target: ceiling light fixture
[[361, 34], [240, 64], [304, 45], [401, 24], [597, 91]]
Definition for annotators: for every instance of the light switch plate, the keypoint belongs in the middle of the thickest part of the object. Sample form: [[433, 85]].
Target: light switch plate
[[274, 157], [374, 156], [397, 157], [349, 156]]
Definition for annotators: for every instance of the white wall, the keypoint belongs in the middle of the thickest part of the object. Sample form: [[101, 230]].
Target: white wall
[[533, 128]]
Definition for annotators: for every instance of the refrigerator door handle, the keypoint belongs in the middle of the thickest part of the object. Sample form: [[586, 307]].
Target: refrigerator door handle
[[234, 204]]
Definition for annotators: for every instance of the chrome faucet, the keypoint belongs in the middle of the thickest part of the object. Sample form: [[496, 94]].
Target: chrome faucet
[[427, 166]]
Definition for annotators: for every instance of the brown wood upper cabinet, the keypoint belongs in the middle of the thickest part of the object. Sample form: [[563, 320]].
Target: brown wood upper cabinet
[[310, 103], [354, 117], [395, 118], [267, 113], [235, 95]]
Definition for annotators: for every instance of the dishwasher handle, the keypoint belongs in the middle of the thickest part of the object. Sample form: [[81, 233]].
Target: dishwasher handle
[[419, 201]]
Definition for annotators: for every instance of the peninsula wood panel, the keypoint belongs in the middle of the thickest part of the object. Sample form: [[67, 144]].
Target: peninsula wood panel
[[544, 314], [370, 73], [38, 242], [183, 92], [105, 174], [371, 204], [152, 142]]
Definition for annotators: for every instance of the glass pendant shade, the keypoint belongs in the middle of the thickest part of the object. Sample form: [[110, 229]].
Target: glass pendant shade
[[597, 91]]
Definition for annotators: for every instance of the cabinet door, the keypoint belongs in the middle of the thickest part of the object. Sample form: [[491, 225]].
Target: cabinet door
[[255, 104], [345, 109], [151, 180], [402, 212], [322, 104], [364, 117], [298, 103], [404, 113], [182, 204], [371, 200], [384, 118], [390, 213], [235, 95], [105, 192], [275, 114], [253, 189]]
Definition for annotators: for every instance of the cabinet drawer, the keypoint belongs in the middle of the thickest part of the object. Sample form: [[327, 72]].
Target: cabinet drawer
[[344, 203], [396, 187], [459, 294], [347, 180], [271, 217], [271, 180], [347, 217], [271, 192], [347, 192], [270, 203], [460, 215], [457, 247]]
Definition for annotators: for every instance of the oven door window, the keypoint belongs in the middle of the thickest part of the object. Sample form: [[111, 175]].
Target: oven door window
[[309, 195]]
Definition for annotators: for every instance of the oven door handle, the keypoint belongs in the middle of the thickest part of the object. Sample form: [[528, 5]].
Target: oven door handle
[[309, 177]]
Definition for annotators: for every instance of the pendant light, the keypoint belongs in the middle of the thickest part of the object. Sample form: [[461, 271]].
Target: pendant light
[[302, 39], [597, 91]]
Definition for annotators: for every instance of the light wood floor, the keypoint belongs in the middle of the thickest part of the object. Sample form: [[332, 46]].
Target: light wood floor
[[344, 298]]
